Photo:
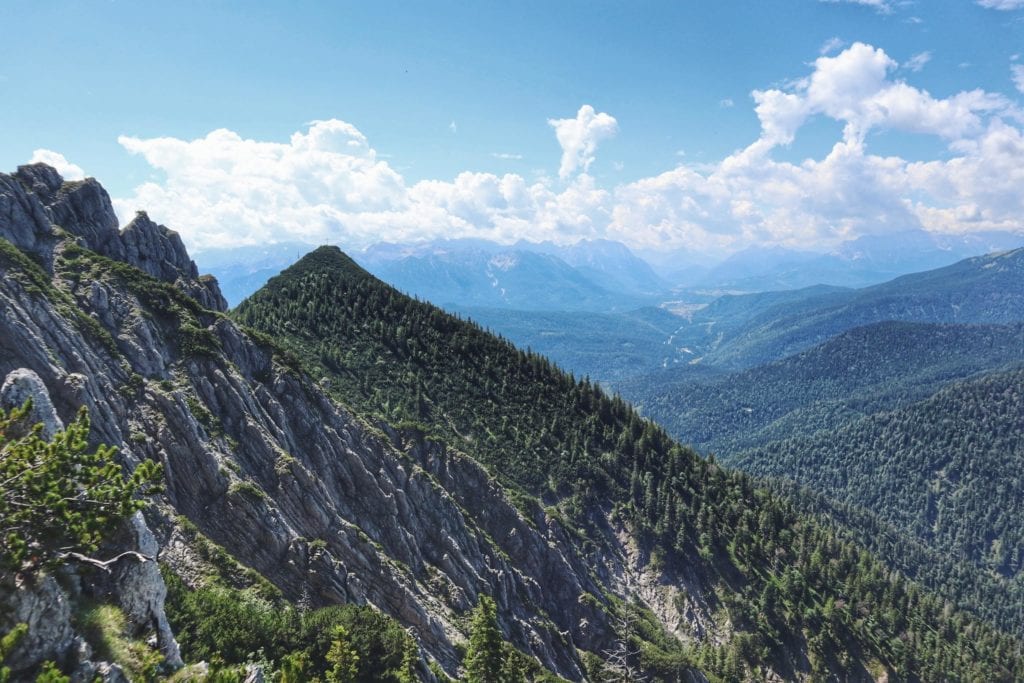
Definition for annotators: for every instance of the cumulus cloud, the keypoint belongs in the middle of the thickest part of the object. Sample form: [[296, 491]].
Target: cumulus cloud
[[68, 170], [224, 185], [327, 183], [750, 198], [854, 87], [579, 138], [1002, 4]]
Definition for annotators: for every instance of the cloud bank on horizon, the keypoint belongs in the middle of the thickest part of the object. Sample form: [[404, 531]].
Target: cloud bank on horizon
[[327, 183]]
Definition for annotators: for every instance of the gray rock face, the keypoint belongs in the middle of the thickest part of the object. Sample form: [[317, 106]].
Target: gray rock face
[[254, 674], [25, 220], [42, 180], [23, 385], [45, 608], [36, 198], [141, 592], [83, 208], [156, 250], [111, 673]]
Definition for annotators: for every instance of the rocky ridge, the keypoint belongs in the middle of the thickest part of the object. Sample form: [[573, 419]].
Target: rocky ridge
[[259, 459]]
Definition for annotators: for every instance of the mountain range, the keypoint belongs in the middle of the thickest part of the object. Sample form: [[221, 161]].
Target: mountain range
[[351, 476], [604, 275]]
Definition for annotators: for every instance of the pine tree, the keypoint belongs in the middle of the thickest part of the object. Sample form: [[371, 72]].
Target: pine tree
[[59, 498], [484, 655], [343, 657], [293, 668], [410, 657]]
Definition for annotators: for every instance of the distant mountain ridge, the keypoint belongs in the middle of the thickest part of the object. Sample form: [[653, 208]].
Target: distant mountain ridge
[[598, 275], [747, 330], [877, 367], [867, 260], [617, 276], [514, 279]]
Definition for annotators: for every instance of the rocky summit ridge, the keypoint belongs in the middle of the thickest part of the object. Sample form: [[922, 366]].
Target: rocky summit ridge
[[328, 508]]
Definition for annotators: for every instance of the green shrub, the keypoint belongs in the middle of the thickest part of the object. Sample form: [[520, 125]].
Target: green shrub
[[59, 497], [238, 624]]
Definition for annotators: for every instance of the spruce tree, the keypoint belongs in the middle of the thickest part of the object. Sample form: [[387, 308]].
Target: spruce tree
[[484, 655], [342, 657]]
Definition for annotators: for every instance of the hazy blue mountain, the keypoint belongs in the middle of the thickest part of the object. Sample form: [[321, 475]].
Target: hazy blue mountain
[[867, 260], [743, 331], [734, 330], [607, 262], [242, 270], [591, 275], [382, 252], [509, 279], [864, 370]]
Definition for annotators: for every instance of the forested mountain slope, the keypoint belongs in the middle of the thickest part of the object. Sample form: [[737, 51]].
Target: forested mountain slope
[[606, 347], [862, 371], [949, 469], [743, 555], [984, 289], [318, 507]]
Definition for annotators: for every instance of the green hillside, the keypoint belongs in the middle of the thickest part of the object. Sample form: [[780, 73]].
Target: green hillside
[[947, 470], [798, 598], [868, 369]]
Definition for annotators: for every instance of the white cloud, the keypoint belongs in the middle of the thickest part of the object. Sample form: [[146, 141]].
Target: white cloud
[[1017, 73], [727, 103], [507, 156], [222, 186], [831, 45], [854, 87], [579, 138], [452, 127], [918, 61], [327, 183], [883, 6], [1002, 4], [68, 170], [749, 198]]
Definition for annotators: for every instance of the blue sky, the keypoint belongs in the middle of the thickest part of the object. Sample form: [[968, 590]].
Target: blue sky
[[429, 91]]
